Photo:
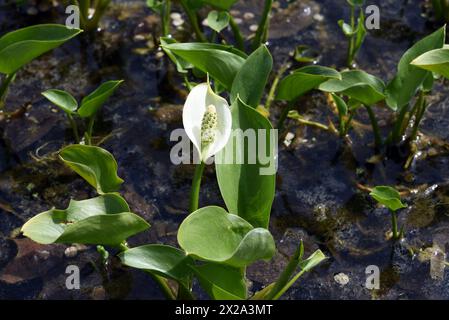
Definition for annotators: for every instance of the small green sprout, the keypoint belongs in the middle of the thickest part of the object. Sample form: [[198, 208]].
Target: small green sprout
[[90, 15], [390, 198], [441, 9], [89, 108], [355, 32], [162, 8]]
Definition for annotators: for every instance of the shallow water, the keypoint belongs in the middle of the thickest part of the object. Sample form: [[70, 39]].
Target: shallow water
[[317, 198]]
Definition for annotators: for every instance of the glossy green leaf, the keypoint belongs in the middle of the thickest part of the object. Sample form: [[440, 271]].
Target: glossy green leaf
[[409, 78], [211, 234], [247, 183], [250, 82], [166, 261], [181, 64], [436, 61], [221, 282], [19, 47], [341, 105], [96, 165], [221, 62], [94, 101], [104, 220], [307, 265], [218, 20], [104, 229], [303, 80], [62, 99], [357, 85], [388, 197]]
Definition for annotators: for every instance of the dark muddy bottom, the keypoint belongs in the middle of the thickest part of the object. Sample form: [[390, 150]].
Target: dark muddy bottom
[[317, 197]]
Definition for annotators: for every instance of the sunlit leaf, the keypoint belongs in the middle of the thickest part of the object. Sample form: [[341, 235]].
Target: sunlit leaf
[[303, 80], [436, 61], [246, 181], [94, 101], [103, 220], [96, 165], [62, 99], [388, 196], [211, 234], [358, 85], [409, 78], [221, 62]]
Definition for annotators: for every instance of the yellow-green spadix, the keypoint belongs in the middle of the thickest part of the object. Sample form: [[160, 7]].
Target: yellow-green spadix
[[207, 120]]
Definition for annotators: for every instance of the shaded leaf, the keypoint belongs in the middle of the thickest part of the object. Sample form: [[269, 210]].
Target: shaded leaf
[[221, 282], [19, 47], [218, 20], [221, 62], [163, 260], [250, 82]]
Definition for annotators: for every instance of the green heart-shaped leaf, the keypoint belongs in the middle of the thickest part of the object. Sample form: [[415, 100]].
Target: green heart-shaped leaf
[[96, 165], [218, 20], [93, 102], [388, 196], [357, 85], [247, 182], [19, 47], [211, 234], [62, 99], [103, 220], [303, 80]]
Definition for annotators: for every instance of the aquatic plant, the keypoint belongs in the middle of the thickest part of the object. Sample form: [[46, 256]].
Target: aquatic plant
[[162, 8], [436, 61], [216, 246], [354, 30], [90, 105], [390, 198], [219, 18], [91, 12], [405, 94], [19, 47], [441, 9]]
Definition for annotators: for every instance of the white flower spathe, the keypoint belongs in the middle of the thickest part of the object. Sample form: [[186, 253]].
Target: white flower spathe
[[207, 120]]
